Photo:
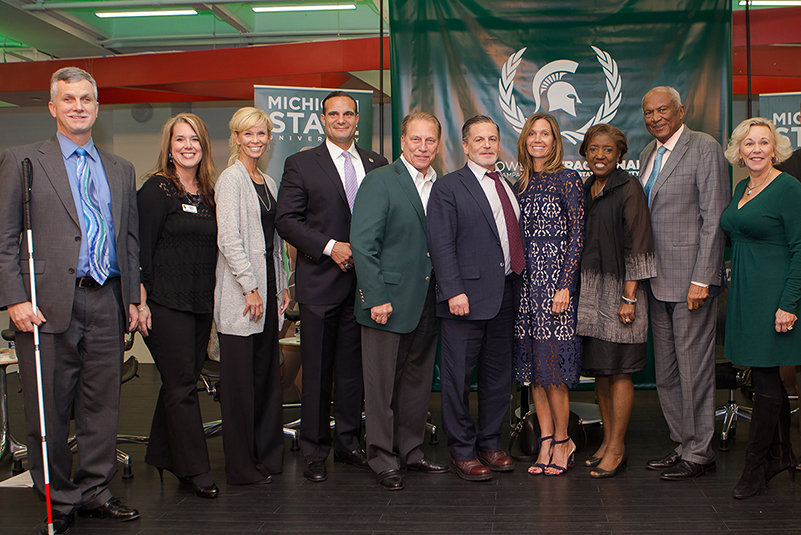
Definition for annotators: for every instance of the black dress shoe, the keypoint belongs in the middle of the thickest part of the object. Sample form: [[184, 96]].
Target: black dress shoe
[[114, 509], [315, 471], [427, 466], [687, 470], [390, 479], [61, 524], [355, 458], [205, 491], [671, 459]]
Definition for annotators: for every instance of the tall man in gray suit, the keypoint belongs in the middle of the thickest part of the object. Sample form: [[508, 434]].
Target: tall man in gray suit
[[85, 225], [395, 302], [687, 185]]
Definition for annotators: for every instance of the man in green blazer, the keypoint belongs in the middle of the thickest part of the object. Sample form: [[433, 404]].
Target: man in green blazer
[[395, 302]]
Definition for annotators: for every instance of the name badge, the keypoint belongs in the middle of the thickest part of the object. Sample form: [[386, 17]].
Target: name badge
[[189, 208]]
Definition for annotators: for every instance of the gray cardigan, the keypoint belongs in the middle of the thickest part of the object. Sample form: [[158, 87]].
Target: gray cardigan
[[241, 263]]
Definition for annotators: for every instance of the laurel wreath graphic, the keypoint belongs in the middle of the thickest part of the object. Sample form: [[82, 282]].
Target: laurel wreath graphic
[[606, 112]]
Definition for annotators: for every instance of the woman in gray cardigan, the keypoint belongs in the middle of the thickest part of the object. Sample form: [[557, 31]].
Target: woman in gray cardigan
[[249, 266]]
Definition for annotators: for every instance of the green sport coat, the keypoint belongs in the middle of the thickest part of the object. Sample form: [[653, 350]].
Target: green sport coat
[[390, 251]]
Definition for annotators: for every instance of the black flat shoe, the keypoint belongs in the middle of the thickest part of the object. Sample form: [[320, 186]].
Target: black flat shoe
[[355, 458], [315, 471], [600, 473], [671, 459], [114, 509], [390, 479], [61, 524], [687, 470], [208, 491]]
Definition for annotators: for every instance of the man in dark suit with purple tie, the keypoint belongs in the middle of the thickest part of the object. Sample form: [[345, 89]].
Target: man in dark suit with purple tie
[[477, 253], [314, 208]]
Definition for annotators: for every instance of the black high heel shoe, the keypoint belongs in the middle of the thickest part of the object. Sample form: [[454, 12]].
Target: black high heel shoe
[[182, 480], [600, 473]]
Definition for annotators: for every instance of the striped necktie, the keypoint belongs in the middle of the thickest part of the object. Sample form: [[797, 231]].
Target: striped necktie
[[96, 228]]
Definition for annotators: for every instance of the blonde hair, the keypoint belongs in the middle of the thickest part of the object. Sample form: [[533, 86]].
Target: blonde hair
[[554, 161], [244, 119], [782, 148], [206, 171]]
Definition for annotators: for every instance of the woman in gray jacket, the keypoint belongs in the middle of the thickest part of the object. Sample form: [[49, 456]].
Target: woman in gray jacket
[[249, 300]]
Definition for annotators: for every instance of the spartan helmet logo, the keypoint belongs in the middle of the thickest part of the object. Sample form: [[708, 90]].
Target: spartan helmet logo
[[561, 95]]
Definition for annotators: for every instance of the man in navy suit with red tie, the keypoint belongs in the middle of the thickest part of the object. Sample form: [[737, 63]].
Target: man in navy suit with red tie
[[314, 208], [477, 253]]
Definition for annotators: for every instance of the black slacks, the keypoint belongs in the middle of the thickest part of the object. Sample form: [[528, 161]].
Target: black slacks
[[330, 344], [250, 401], [81, 368], [178, 342]]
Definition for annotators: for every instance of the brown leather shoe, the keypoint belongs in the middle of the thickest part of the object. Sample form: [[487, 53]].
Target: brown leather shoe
[[497, 461], [471, 470]]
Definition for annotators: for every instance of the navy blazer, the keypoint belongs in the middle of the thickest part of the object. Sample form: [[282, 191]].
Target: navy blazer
[[465, 246]]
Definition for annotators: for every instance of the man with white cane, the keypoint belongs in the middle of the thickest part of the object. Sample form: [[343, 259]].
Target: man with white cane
[[86, 261]]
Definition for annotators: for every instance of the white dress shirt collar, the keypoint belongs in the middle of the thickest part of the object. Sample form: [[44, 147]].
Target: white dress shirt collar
[[422, 182], [336, 152]]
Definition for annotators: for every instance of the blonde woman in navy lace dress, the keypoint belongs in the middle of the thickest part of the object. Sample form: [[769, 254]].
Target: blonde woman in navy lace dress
[[547, 351]]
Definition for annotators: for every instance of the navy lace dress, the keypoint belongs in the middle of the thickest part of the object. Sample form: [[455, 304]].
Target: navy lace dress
[[547, 350]]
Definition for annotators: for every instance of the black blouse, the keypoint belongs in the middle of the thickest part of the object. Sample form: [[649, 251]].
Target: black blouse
[[177, 247]]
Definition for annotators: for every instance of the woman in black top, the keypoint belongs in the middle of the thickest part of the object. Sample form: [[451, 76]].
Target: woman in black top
[[178, 254], [612, 310]]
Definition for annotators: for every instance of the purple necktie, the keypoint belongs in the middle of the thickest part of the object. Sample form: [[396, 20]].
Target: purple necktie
[[351, 183], [518, 261]]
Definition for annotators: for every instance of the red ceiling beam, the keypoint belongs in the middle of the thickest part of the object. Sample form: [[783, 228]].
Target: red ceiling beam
[[317, 58]]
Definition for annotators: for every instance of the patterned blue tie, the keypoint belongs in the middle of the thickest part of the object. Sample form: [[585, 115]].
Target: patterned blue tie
[[96, 228], [654, 172]]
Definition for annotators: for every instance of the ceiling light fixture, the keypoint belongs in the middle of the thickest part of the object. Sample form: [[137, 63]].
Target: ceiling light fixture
[[162, 13], [304, 7]]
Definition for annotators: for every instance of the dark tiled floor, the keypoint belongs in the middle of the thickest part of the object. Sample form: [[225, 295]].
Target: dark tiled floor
[[350, 502]]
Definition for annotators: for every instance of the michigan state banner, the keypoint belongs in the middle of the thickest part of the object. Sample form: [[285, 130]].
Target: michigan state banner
[[584, 61], [295, 113]]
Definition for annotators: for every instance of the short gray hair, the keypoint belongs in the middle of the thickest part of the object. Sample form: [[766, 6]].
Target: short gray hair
[[70, 75], [673, 94]]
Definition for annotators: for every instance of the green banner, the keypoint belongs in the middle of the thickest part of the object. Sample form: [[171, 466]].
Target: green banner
[[586, 62], [295, 113]]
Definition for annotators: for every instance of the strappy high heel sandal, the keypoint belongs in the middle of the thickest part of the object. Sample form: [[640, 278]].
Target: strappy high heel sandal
[[532, 470], [570, 459]]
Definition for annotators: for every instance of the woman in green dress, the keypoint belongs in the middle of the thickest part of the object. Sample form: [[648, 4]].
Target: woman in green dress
[[763, 222]]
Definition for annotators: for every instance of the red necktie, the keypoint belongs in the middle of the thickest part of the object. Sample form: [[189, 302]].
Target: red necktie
[[518, 261]]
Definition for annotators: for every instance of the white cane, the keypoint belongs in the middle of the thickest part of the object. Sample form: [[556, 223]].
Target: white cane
[[27, 177]]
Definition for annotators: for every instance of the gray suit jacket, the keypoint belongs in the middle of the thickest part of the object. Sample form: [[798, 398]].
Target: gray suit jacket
[[57, 231], [687, 199]]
